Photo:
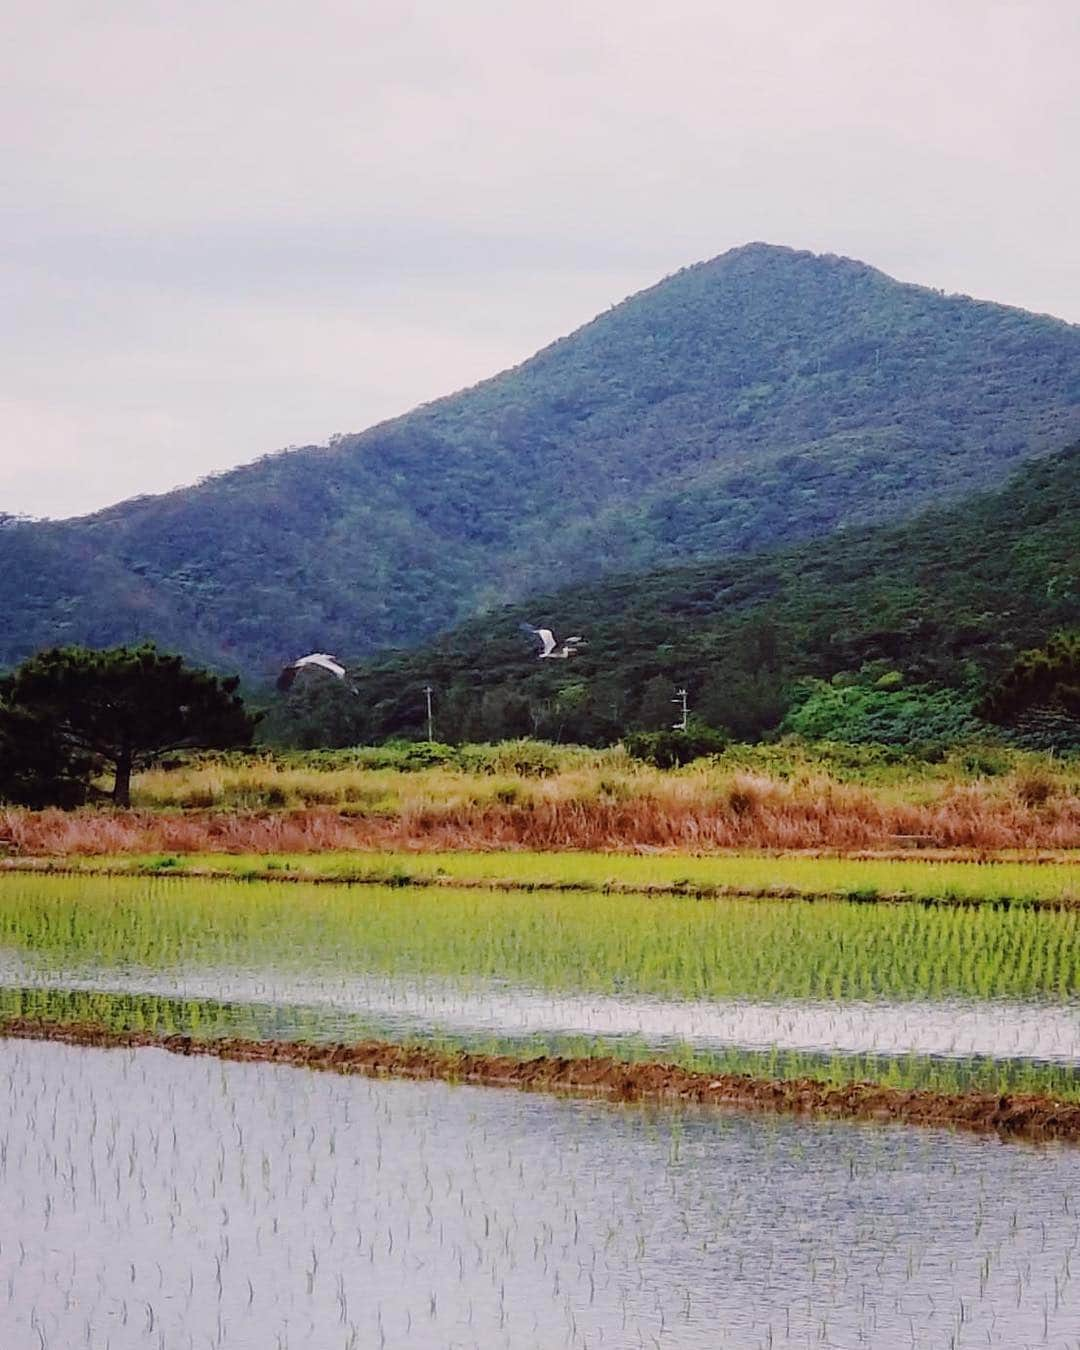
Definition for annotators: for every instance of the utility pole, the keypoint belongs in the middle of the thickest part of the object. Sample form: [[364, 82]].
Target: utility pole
[[681, 699], [430, 726]]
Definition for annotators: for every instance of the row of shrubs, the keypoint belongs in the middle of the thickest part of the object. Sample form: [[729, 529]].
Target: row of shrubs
[[789, 757], [521, 758]]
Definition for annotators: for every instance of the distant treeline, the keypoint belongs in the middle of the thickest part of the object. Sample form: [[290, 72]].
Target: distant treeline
[[887, 633]]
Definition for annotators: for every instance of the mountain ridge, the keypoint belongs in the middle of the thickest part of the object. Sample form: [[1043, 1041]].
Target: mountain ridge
[[947, 599], [760, 397]]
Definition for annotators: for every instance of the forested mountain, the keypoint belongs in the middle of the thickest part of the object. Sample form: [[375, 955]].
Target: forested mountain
[[755, 400], [945, 600]]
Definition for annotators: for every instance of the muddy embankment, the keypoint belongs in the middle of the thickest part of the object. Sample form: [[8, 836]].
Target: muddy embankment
[[1018, 1116]]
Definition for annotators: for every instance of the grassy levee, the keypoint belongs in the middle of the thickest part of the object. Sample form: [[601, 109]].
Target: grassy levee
[[863, 879]]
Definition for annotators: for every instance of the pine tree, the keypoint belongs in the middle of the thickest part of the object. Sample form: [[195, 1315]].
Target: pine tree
[[119, 709]]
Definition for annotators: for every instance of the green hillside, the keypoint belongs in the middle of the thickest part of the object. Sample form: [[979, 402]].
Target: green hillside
[[946, 600], [762, 398]]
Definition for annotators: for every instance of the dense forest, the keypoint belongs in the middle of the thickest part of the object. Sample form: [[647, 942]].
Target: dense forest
[[762, 398], [876, 633]]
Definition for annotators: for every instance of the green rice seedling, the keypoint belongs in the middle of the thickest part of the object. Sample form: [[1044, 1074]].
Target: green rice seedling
[[668, 946], [660, 974], [861, 879]]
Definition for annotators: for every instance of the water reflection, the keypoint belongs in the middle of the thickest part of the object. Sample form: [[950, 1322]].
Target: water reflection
[[397, 1007], [155, 1202]]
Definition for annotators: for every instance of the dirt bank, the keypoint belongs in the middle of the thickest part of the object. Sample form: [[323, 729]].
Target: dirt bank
[[1020, 1116]]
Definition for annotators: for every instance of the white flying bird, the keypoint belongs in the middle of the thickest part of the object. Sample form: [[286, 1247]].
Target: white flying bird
[[550, 647], [321, 659]]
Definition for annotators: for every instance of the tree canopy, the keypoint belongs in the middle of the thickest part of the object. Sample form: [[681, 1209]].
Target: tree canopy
[[945, 601], [38, 768], [69, 712], [1045, 677]]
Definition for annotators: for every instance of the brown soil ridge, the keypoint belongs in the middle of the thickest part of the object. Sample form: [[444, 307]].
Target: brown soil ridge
[[63, 868], [1027, 1116]]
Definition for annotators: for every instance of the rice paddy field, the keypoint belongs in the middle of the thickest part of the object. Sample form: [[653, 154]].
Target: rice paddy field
[[922, 996], [154, 1202], [175, 1200]]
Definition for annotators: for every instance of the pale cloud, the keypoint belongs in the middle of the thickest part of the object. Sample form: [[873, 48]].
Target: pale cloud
[[232, 227]]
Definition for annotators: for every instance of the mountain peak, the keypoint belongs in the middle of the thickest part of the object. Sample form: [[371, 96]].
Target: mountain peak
[[759, 248], [763, 397], [759, 253]]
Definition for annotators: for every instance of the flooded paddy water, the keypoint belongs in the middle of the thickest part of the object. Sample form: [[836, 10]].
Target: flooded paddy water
[[158, 1200], [153, 1201]]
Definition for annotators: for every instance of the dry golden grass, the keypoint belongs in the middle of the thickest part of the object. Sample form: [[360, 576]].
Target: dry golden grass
[[694, 811]]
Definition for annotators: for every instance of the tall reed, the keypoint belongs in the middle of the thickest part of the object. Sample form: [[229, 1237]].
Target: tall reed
[[700, 813]]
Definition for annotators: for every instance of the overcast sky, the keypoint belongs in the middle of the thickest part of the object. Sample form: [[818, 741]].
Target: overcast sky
[[234, 225]]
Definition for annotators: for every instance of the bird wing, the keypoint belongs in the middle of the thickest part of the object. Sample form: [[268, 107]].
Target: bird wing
[[547, 641], [329, 663], [285, 679], [323, 660]]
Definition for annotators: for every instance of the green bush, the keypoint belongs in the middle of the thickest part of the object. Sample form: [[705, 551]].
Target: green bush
[[523, 758], [915, 716], [671, 749]]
